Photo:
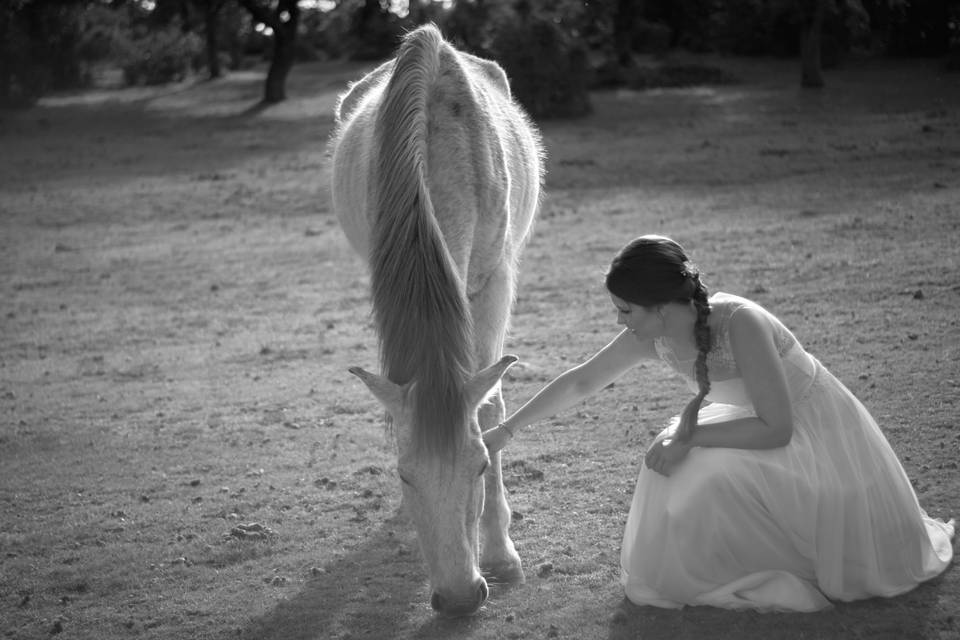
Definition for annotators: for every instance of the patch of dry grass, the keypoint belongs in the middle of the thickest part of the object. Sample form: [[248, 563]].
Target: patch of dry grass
[[178, 310]]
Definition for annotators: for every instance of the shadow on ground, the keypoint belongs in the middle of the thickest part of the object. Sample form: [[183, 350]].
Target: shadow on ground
[[372, 588], [205, 128], [914, 616], [379, 586]]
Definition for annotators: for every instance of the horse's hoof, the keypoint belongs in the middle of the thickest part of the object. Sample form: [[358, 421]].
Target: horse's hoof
[[503, 573]]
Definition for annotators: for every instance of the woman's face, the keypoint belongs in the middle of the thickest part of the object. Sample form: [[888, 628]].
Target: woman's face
[[646, 323]]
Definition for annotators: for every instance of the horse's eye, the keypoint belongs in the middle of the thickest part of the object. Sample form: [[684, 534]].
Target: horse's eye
[[483, 469]]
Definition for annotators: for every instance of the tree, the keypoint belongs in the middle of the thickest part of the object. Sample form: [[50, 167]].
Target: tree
[[626, 15], [811, 72], [43, 46], [6, 51], [375, 31], [187, 14], [211, 32], [548, 69], [283, 19]]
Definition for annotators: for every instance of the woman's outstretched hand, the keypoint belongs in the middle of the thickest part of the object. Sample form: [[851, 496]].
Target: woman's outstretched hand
[[496, 438], [665, 455]]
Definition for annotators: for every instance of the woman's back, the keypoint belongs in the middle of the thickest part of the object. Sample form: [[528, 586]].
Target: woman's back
[[726, 383]]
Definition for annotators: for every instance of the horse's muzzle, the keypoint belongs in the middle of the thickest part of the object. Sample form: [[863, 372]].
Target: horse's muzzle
[[459, 607]]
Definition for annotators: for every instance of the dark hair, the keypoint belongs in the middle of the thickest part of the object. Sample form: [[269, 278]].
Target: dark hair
[[652, 271]]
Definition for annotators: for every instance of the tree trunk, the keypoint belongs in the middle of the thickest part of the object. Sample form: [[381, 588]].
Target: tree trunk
[[627, 12], [284, 48], [6, 70], [211, 24], [811, 70], [284, 21], [275, 89]]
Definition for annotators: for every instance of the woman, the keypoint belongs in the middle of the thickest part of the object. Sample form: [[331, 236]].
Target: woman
[[780, 494]]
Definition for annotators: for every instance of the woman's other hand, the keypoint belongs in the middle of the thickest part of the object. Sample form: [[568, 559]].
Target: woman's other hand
[[665, 455]]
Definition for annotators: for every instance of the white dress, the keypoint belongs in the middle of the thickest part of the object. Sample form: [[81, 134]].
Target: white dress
[[832, 515]]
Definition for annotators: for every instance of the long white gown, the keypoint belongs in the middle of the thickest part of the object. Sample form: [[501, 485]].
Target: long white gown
[[830, 516]]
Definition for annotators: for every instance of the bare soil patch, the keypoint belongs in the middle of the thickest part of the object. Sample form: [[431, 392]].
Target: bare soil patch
[[183, 455]]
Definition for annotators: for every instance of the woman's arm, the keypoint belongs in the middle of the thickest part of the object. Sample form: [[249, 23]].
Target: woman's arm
[[755, 352], [575, 384]]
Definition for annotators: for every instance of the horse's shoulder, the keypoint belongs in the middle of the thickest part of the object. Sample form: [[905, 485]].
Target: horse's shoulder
[[357, 90]]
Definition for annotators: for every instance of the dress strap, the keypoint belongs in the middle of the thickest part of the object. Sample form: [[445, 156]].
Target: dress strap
[[783, 338]]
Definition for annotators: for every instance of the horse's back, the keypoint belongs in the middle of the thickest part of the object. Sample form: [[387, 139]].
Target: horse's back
[[483, 160]]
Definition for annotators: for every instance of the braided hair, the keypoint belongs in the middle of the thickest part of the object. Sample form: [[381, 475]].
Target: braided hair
[[652, 271]]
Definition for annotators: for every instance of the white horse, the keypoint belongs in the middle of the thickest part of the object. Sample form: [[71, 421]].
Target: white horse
[[437, 177]]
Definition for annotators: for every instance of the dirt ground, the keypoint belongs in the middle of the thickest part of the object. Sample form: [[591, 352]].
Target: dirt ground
[[183, 454]]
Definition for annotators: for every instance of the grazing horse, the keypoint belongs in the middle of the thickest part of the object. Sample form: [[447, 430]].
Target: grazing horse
[[437, 176]]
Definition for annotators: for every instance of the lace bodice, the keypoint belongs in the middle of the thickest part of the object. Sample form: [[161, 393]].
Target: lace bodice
[[725, 380]]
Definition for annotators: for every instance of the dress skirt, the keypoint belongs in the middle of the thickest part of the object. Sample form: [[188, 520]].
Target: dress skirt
[[830, 516]]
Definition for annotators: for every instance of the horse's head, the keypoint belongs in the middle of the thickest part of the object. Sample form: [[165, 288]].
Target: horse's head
[[444, 496]]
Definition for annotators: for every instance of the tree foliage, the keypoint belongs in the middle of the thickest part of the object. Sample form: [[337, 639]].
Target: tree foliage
[[159, 55], [42, 45], [548, 68], [47, 45]]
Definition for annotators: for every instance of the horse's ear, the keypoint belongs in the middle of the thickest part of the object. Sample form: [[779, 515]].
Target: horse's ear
[[484, 382], [388, 393]]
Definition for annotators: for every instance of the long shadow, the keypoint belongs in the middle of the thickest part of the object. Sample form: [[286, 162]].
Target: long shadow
[[205, 127], [361, 595], [378, 591], [714, 141], [908, 617]]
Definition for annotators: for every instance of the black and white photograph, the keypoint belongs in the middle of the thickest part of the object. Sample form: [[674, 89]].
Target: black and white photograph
[[479, 319]]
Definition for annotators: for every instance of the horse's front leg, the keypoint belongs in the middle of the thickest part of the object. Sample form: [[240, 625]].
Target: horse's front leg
[[499, 559]]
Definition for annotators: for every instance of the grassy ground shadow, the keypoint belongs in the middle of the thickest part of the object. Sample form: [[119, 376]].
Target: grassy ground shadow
[[912, 616], [379, 585]]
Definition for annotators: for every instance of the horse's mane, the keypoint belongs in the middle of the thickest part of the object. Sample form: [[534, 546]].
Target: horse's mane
[[419, 302]]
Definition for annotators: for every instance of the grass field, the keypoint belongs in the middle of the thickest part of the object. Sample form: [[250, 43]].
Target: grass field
[[179, 308]]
